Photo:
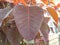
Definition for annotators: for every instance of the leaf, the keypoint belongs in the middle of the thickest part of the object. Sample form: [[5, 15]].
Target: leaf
[[46, 19], [45, 30], [11, 31], [28, 20], [42, 35], [3, 13], [3, 38], [45, 1], [53, 13], [16, 1], [24, 2]]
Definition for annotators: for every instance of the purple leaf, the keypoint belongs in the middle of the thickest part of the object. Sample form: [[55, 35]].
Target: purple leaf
[[3, 13], [28, 20], [45, 30]]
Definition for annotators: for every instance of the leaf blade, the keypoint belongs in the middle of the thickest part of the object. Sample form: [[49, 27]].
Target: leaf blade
[[28, 20]]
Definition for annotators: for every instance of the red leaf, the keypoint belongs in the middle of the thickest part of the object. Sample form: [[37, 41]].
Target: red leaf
[[28, 20]]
